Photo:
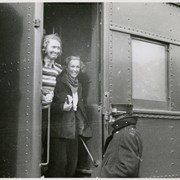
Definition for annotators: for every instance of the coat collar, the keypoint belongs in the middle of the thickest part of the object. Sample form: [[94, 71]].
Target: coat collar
[[126, 121]]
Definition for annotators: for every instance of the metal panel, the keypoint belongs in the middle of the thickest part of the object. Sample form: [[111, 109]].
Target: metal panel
[[105, 55], [20, 89], [161, 147], [147, 20], [120, 77], [117, 63], [159, 129], [36, 89], [105, 41], [174, 74]]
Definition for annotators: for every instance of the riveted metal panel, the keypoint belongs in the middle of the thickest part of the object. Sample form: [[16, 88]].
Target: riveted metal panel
[[116, 65], [174, 74], [20, 88], [120, 77], [106, 43], [117, 62], [159, 129], [147, 20], [106, 15], [161, 139]]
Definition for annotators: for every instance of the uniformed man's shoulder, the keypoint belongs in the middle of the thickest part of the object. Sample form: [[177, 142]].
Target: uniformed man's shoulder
[[131, 130]]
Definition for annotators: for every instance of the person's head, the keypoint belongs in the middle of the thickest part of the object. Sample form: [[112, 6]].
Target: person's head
[[124, 120], [51, 47], [73, 65], [122, 114]]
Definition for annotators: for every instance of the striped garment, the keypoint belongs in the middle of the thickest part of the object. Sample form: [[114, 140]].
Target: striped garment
[[49, 75]]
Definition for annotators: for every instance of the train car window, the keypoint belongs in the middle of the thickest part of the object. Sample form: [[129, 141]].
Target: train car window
[[149, 64]]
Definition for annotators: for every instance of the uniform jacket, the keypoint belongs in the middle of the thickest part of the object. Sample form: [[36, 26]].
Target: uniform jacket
[[123, 154], [67, 124]]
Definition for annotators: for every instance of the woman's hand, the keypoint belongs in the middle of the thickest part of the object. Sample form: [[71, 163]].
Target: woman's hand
[[48, 97], [68, 103]]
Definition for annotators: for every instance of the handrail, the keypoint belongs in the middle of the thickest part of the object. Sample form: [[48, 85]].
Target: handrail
[[48, 138], [90, 155]]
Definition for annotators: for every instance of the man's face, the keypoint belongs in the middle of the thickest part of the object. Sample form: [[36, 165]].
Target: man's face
[[53, 49]]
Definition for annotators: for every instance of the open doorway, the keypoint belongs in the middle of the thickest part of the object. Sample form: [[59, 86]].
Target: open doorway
[[78, 26]]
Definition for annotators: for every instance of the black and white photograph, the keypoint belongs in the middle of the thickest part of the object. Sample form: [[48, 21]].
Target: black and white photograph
[[89, 89]]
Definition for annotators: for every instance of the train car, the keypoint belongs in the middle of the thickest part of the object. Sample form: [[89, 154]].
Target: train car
[[131, 53]]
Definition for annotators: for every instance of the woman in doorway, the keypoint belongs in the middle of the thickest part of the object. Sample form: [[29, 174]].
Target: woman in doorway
[[51, 50], [68, 121]]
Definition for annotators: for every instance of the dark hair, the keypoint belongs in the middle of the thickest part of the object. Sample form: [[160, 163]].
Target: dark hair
[[46, 42]]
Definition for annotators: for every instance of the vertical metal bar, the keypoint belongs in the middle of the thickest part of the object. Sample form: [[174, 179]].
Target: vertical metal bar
[[48, 137], [90, 155], [105, 65], [37, 76]]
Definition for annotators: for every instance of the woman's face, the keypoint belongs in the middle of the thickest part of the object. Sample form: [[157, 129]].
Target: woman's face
[[53, 49], [73, 68]]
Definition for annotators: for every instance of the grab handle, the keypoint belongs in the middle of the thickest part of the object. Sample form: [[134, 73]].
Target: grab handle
[[48, 138], [90, 155]]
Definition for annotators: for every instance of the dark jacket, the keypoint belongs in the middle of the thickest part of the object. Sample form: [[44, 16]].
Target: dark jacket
[[123, 154], [68, 124]]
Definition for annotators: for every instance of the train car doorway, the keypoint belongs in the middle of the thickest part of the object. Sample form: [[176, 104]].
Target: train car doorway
[[78, 26]]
